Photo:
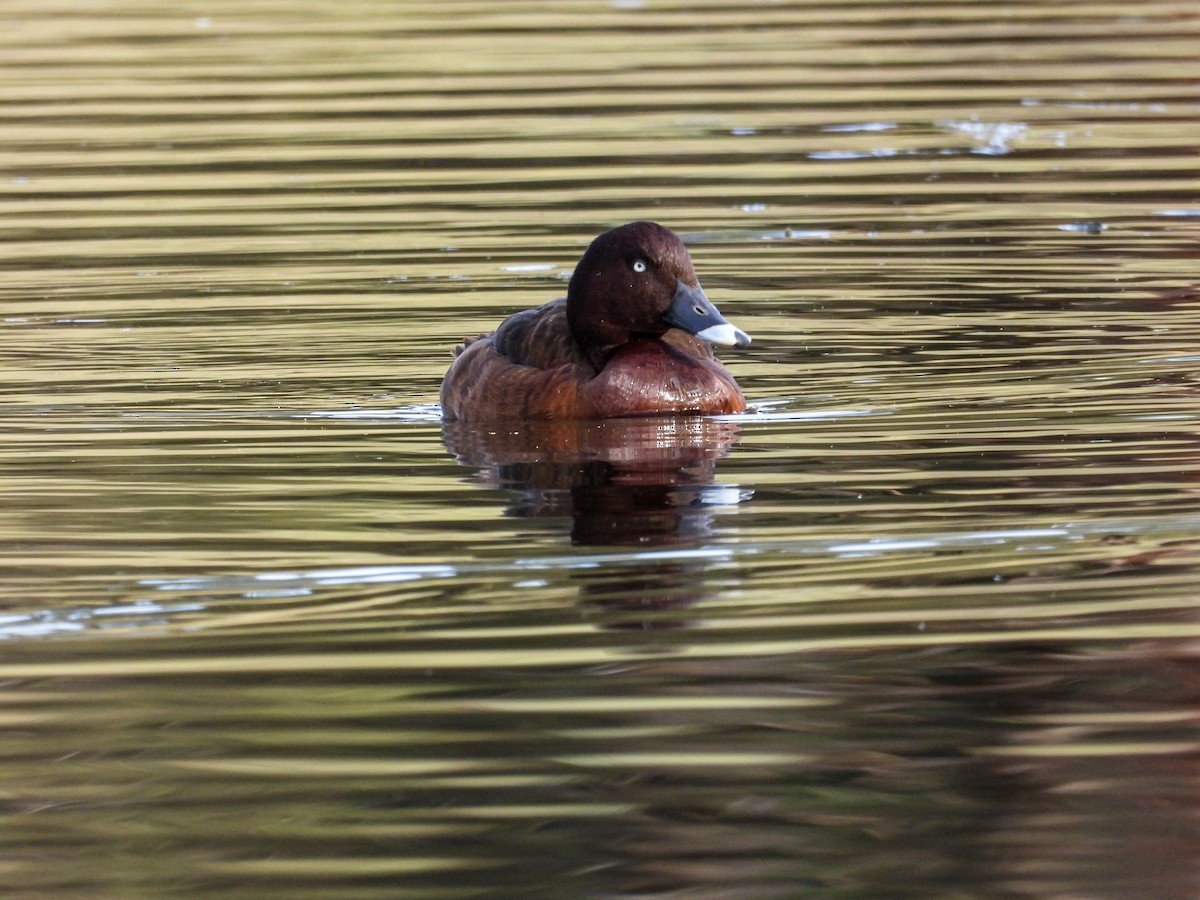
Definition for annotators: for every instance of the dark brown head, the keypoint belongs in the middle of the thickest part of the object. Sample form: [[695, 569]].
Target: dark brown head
[[638, 281]]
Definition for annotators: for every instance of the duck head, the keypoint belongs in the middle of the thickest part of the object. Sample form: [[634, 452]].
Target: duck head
[[638, 281]]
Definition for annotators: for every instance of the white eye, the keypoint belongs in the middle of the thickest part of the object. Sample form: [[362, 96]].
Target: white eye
[[639, 265]]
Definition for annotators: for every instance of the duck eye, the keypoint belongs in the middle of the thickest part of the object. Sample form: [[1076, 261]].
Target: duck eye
[[639, 265]]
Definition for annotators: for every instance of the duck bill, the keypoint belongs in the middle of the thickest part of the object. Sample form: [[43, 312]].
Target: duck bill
[[692, 312]]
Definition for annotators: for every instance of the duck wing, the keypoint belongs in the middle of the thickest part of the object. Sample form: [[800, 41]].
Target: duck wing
[[540, 338], [528, 368]]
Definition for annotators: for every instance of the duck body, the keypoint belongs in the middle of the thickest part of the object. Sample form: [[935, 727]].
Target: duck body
[[631, 338]]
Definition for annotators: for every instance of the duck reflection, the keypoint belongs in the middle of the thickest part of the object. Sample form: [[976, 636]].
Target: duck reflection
[[622, 482], [645, 483]]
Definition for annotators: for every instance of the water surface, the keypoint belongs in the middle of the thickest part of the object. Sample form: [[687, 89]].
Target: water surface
[[923, 623]]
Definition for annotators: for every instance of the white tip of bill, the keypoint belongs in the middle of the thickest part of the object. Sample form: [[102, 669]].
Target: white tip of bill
[[725, 334]]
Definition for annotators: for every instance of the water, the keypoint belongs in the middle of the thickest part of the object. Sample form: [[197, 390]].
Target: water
[[922, 624]]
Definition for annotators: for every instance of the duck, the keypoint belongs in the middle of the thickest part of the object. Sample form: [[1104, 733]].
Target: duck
[[632, 337]]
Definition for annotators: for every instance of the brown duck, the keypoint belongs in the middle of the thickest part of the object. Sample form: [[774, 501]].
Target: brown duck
[[631, 338]]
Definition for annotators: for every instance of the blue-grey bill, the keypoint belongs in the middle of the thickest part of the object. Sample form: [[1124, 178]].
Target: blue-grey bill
[[694, 313]]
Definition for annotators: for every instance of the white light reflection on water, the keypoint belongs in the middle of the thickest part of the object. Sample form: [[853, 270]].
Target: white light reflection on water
[[1019, 539], [277, 585], [46, 623]]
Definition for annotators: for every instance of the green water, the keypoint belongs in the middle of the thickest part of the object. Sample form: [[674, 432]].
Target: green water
[[921, 624]]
